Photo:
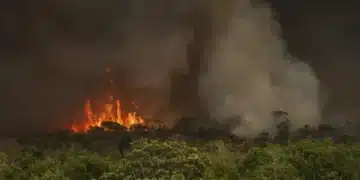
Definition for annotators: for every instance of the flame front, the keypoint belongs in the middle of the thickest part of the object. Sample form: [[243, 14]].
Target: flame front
[[112, 112]]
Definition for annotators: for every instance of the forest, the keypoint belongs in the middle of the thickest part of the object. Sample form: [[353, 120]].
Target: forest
[[112, 152], [191, 58]]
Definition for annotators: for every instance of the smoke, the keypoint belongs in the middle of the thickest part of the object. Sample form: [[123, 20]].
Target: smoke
[[54, 56], [154, 45], [250, 74], [328, 41]]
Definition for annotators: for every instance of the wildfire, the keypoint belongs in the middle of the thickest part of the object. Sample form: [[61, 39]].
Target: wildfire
[[112, 112]]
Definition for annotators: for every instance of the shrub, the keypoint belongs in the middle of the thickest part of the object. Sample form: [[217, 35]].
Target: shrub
[[325, 159], [268, 163], [4, 166], [162, 159], [307, 159], [224, 163], [177, 160], [84, 166]]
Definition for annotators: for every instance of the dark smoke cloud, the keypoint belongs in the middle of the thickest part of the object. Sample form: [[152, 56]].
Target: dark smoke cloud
[[325, 35], [53, 53]]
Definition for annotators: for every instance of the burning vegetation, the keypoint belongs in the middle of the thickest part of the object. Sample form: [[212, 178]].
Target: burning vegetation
[[112, 113]]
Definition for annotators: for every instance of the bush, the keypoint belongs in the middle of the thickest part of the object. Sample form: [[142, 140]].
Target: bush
[[162, 160], [60, 165], [4, 166], [224, 163], [325, 159], [268, 163], [84, 166], [307, 159], [177, 160]]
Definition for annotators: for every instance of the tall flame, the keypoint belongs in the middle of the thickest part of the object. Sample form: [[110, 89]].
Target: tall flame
[[111, 113]]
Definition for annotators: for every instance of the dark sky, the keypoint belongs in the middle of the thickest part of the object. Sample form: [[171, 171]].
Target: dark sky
[[325, 34], [322, 33]]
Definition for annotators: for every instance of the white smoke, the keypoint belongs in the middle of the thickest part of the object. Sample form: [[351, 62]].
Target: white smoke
[[250, 74]]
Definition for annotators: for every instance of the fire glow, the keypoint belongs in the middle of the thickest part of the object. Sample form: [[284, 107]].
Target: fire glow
[[112, 112]]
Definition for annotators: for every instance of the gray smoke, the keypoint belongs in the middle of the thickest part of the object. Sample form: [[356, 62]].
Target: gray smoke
[[54, 55], [250, 74]]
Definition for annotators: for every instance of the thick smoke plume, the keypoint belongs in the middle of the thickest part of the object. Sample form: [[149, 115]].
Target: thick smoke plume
[[250, 74], [54, 56]]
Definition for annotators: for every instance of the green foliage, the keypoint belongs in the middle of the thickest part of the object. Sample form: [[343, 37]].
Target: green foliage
[[307, 159], [84, 166], [224, 163], [270, 163], [4, 166], [60, 165], [325, 159], [176, 160], [50, 175], [162, 160]]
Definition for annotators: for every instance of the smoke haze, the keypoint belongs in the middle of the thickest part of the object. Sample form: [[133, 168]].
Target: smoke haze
[[53, 55], [250, 74]]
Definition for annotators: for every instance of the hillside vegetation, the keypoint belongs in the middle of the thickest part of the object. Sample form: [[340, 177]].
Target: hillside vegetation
[[153, 159]]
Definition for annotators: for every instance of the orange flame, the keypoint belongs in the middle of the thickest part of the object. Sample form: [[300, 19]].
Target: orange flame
[[112, 112]]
